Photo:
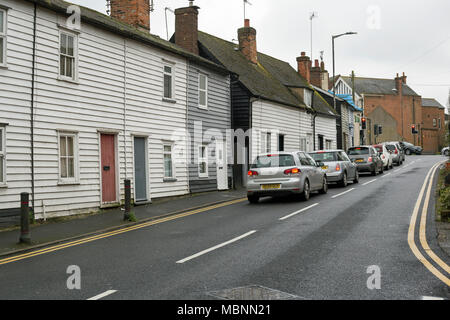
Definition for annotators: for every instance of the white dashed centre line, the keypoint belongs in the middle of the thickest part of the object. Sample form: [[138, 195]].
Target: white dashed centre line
[[102, 295], [299, 211], [216, 247], [341, 194], [365, 184]]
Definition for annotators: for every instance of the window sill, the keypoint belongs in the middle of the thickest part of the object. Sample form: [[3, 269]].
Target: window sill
[[3, 186], [203, 107], [170, 180], [69, 183], [169, 100], [4, 66], [203, 177], [68, 80]]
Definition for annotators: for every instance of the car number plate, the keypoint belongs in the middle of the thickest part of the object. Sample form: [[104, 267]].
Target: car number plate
[[271, 186], [359, 160], [325, 167]]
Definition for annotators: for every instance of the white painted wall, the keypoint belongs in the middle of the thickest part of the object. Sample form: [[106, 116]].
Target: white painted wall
[[118, 79]]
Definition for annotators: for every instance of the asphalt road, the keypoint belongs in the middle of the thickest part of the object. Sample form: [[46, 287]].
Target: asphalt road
[[322, 252]]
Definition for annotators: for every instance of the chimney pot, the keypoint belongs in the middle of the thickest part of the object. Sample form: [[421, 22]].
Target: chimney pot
[[316, 63], [304, 66], [247, 23]]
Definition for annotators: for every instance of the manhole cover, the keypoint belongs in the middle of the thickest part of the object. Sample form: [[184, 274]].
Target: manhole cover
[[252, 293]]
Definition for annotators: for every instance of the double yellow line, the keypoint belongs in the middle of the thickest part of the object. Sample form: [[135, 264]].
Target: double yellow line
[[115, 232], [422, 230]]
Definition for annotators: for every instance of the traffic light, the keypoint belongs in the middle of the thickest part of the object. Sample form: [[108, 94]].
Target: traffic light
[[363, 123], [413, 129], [375, 129], [380, 130]]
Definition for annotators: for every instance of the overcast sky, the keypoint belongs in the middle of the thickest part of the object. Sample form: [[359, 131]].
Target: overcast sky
[[393, 36]]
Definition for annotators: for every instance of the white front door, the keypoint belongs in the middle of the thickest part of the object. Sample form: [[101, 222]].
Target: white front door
[[222, 166]]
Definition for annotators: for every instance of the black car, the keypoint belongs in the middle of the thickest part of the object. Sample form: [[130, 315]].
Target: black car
[[409, 148]]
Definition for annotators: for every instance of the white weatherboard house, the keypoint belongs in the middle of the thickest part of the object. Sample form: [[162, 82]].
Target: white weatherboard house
[[83, 107]]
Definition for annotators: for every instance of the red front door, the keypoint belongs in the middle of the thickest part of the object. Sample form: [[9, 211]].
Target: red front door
[[108, 168]]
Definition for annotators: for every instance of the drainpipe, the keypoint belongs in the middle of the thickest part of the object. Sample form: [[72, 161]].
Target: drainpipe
[[33, 72], [314, 121]]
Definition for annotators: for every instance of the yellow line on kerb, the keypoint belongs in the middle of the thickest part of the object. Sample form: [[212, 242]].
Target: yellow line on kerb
[[412, 227], [116, 232]]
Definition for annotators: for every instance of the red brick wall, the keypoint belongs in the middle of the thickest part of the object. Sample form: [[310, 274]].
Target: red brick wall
[[433, 136], [393, 104]]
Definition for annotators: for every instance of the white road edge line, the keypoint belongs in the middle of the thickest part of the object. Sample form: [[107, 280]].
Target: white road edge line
[[299, 211], [365, 184], [387, 174], [102, 295], [341, 194], [216, 247]]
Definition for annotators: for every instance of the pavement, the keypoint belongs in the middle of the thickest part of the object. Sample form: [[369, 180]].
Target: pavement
[[330, 247], [51, 232]]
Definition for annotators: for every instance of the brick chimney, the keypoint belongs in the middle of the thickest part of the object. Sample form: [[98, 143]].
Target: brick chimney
[[247, 42], [325, 76], [399, 84], [304, 65], [404, 78], [316, 74], [132, 12], [186, 28]]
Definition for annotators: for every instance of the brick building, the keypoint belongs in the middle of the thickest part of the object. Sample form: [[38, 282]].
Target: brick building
[[390, 103], [433, 126]]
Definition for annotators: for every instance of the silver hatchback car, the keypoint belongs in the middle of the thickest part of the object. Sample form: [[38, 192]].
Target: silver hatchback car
[[338, 167], [285, 173]]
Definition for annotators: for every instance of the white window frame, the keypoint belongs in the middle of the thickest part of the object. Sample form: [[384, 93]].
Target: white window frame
[[4, 36], [3, 181], [200, 75], [74, 77], [76, 171], [172, 80], [168, 144], [434, 122], [308, 97], [203, 159], [328, 144]]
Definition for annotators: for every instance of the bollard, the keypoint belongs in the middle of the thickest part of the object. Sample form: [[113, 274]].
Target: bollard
[[25, 218], [127, 200]]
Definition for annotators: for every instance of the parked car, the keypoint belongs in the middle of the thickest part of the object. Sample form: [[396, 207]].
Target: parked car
[[445, 151], [367, 159], [337, 166], [285, 173], [395, 150], [385, 155], [409, 148]]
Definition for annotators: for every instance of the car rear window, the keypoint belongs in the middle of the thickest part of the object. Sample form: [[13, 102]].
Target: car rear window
[[358, 151], [379, 148], [324, 156], [390, 147], [274, 161]]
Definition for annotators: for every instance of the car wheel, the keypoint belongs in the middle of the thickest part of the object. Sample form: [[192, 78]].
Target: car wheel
[[343, 183], [306, 191], [356, 177], [446, 152], [324, 189], [408, 152], [253, 199]]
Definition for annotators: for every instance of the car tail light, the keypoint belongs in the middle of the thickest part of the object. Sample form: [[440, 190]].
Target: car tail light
[[252, 173], [338, 167], [396, 151], [292, 171], [370, 159], [383, 157]]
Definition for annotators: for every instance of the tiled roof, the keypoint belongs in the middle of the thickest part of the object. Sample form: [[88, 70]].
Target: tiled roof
[[377, 86], [427, 102]]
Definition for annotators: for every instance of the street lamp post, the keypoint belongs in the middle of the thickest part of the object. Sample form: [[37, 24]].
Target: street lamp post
[[334, 68]]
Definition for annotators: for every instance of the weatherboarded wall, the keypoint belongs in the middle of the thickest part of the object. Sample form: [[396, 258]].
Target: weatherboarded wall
[[119, 90]]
